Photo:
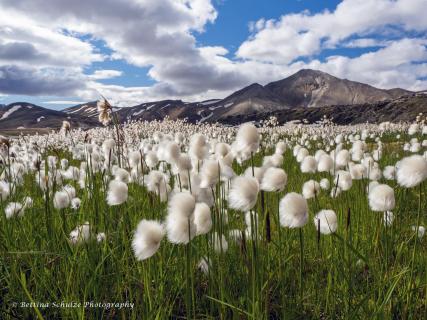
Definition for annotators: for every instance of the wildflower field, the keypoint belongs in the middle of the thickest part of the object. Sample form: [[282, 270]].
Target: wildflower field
[[211, 222]]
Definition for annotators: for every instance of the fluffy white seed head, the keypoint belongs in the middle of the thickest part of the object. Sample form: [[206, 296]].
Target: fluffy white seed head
[[325, 164], [326, 221], [293, 211], [310, 189], [180, 226], [121, 174], [75, 203], [257, 172], [14, 209], [117, 193], [4, 190], [358, 171], [220, 243], [202, 218], [420, 232], [243, 193], [302, 153], [309, 165], [381, 198], [134, 159], [274, 179], [389, 172], [61, 200], [342, 158], [210, 174], [280, 147], [151, 159], [411, 171], [247, 138], [325, 184], [147, 238], [80, 234], [343, 180]]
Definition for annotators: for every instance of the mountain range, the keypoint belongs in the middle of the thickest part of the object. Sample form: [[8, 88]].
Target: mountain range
[[307, 94]]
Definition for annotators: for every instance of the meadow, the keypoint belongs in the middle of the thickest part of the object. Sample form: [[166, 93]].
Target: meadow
[[158, 220]]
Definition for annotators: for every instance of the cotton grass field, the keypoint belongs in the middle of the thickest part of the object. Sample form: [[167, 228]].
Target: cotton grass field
[[158, 220]]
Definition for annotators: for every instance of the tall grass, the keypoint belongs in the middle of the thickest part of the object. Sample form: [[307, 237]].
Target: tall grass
[[365, 270]]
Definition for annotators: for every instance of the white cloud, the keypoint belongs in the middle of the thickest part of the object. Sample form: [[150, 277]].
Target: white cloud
[[304, 34], [366, 43], [42, 51], [105, 74]]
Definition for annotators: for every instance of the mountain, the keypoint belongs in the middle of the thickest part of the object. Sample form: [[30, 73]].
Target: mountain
[[307, 94], [312, 88], [402, 109], [24, 116]]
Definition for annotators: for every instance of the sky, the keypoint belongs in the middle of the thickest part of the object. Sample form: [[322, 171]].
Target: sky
[[58, 53]]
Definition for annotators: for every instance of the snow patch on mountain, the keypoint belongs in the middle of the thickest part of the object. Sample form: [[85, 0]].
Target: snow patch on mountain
[[10, 111]]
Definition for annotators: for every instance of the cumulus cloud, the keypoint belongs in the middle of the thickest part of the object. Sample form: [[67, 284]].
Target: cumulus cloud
[[42, 50], [305, 34], [16, 80], [105, 74]]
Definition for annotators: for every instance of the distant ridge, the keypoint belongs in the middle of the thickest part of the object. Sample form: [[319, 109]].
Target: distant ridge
[[307, 92]]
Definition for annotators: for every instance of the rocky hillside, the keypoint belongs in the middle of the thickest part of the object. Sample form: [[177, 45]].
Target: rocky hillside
[[307, 94]]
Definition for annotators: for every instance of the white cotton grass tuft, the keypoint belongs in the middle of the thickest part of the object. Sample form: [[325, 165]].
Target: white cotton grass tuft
[[342, 158], [202, 218], [198, 148], [343, 180], [210, 174], [204, 265], [61, 200], [121, 174], [134, 159], [335, 191], [273, 180], [381, 198], [243, 193], [310, 189], [309, 165], [325, 184], [14, 209], [70, 191], [247, 139], [326, 221], [325, 163], [4, 190], [389, 172], [293, 210], [257, 172], [100, 237], [151, 159], [420, 232], [180, 226], [411, 171], [146, 239], [117, 193], [220, 243], [80, 234], [301, 154], [75, 203], [280, 148], [388, 218], [357, 171]]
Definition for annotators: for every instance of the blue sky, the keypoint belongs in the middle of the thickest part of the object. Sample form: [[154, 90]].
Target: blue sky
[[135, 51]]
